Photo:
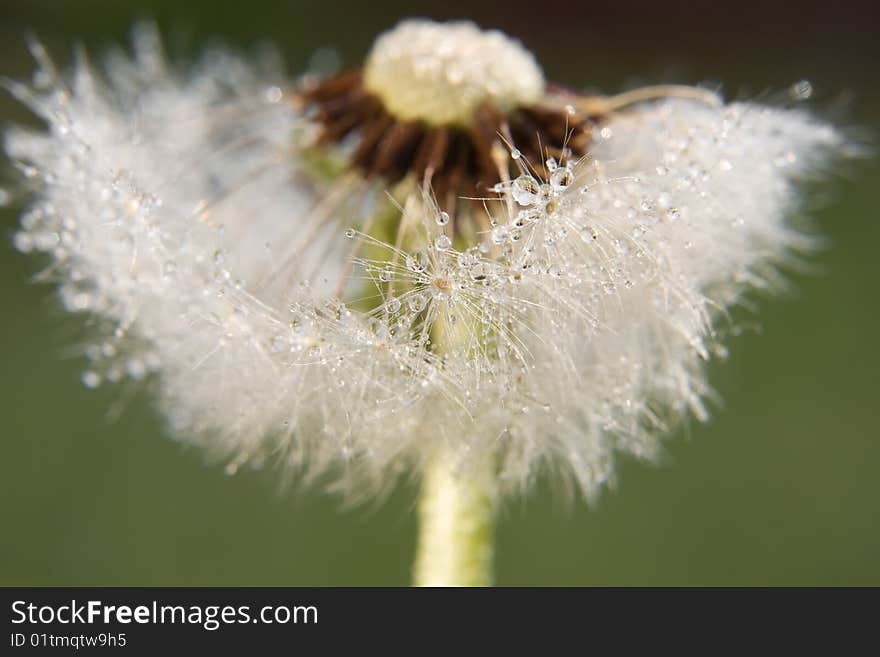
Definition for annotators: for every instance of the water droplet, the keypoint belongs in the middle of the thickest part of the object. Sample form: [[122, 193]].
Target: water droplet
[[417, 262], [525, 190], [589, 234], [606, 133], [385, 275], [468, 259], [442, 242], [801, 90], [273, 94], [479, 272], [350, 233], [392, 305], [416, 302], [91, 379], [515, 154], [136, 368], [23, 242], [531, 216], [442, 218], [561, 178]]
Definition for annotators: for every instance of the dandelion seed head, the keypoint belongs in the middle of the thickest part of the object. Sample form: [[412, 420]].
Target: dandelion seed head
[[440, 73], [282, 323]]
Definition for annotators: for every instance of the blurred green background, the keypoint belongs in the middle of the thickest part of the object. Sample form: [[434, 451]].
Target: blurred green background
[[781, 487]]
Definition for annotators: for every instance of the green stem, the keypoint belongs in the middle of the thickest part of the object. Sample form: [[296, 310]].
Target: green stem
[[455, 533]]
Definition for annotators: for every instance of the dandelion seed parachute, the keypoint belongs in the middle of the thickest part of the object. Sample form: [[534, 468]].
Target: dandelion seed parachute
[[179, 211]]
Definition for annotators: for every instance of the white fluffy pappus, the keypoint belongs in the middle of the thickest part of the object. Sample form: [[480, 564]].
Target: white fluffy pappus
[[178, 208]]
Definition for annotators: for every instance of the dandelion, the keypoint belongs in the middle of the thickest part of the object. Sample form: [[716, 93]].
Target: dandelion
[[439, 263]]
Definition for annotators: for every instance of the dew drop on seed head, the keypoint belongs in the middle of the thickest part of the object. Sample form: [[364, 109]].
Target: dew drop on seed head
[[479, 272], [23, 242], [442, 242], [392, 305], [350, 233], [273, 94], [442, 218], [801, 90], [561, 178], [385, 275], [416, 302], [91, 379], [525, 190], [467, 259], [499, 234], [417, 262]]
